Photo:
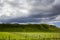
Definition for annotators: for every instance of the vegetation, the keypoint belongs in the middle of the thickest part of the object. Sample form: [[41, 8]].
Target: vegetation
[[29, 36], [29, 32], [28, 28]]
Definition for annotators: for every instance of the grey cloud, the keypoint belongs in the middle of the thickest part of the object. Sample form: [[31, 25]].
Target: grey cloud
[[21, 20], [37, 13], [13, 3], [44, 14]]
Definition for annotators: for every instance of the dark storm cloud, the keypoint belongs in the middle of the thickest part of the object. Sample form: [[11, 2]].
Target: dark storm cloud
[[47, 14], [37, 11], [21, 20], [44, 16]]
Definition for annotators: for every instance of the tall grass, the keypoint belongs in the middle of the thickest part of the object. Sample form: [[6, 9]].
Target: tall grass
[[29, 36]]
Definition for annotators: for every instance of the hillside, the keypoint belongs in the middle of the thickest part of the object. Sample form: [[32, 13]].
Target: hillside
[[28, 28]]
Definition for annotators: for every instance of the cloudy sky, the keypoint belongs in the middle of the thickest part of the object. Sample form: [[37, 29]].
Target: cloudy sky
[[30, 11]]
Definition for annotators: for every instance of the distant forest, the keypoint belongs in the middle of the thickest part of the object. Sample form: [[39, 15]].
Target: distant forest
[[28, 28]]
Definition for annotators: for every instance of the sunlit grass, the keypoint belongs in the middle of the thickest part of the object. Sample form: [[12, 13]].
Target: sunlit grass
[[29, 35]]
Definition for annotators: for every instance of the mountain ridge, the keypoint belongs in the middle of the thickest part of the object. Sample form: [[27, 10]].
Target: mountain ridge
[[29, 28]]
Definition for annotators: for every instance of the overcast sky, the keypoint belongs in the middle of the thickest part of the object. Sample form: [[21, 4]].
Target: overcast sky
[[29, 11]]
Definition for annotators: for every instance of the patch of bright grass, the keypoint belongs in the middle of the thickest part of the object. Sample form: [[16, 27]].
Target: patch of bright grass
[[29, 36]]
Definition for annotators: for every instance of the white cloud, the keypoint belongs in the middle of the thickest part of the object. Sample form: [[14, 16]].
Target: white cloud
[[23, 10], [1, 1], [52, 22], [10, 12], [42, 9], [6, 11], [57, 18]]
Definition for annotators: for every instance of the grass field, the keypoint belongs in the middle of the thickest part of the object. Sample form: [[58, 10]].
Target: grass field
[[29, 36], [29, 32]]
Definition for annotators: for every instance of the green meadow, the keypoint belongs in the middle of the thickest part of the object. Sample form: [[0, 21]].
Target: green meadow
[[29, 32], [29, 36]]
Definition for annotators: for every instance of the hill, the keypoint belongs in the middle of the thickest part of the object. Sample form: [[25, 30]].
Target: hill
[[28, 28]]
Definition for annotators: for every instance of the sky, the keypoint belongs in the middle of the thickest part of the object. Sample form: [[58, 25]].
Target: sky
[[30, 11]]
